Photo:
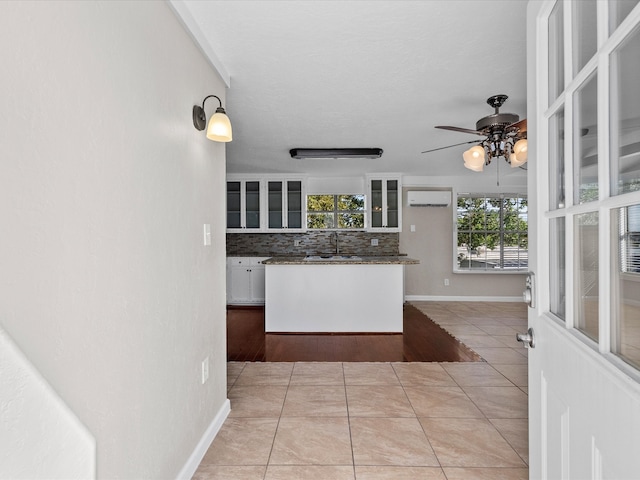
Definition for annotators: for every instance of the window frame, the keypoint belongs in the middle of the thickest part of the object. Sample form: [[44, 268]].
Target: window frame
[[336, 212], [522, 269]]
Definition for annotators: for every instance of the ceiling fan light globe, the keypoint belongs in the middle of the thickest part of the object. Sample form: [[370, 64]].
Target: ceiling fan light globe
[[474, 157], [474, 167], [519, 155]]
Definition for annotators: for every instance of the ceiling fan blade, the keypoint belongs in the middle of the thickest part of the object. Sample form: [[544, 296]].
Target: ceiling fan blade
[[449, 146], [521, 126], [463, 130]]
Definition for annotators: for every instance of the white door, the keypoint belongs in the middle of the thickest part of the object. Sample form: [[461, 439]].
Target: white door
[[584, 189]]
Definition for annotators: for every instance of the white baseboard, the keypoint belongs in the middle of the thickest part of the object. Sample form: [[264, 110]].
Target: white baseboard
[[438, 298], [203, 445]]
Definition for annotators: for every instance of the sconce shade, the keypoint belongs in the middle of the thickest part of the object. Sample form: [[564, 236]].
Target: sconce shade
[[474, 158], [219, 128]]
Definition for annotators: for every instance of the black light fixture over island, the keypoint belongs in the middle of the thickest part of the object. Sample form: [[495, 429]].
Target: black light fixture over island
[[302, 153]]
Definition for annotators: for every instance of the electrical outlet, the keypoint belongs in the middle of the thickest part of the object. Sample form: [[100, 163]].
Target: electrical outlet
[[413, 228], [374, 242], [296, 243], [205, 370], [446, 282]]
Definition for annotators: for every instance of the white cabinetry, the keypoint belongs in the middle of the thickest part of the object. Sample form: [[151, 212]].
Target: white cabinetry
[[244, 205], [268, 204], [384, 203], [245, 280], [285, 205]]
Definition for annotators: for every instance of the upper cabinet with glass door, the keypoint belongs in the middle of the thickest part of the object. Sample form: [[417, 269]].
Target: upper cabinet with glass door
[[244, 205], [385, 206], [267, 205], [285, 205]]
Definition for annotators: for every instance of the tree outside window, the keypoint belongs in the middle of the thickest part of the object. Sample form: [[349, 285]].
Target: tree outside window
[[335, 211], [492, 233]]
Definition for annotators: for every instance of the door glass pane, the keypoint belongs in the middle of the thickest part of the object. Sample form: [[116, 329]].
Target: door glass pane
[[625, 285], [556, 52], [618, 11], [556, 161], [252, 203], [275, 204], [392, 203], [625, 116], [585, 123], [233, 205], [585, 33], [586, 274], [376, 203], [294, 204], [557, 284]]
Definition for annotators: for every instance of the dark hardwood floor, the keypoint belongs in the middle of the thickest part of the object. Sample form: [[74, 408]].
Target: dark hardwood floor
[[421, 341]]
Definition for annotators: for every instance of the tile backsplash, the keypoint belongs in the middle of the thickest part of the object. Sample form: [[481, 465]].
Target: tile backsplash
[[311, 243]]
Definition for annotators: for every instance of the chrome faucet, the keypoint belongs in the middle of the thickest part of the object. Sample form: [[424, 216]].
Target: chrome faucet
[[335, 234]]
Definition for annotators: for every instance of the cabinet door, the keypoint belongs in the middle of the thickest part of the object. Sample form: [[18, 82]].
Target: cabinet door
[[377, 205], [284, 204], [240, 279], [392, 212], [257, 284], [294, 204], [252, 204], [234, 205], [275, 201]]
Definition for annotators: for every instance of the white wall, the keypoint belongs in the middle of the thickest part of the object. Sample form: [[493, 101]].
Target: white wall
[[41, 437], [105, 185], [432, 244]]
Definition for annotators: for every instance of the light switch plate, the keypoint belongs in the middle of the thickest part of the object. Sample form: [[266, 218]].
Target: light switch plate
[[207, 234]]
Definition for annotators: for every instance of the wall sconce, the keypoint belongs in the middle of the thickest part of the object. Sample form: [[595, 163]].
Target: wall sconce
[[219, 129]]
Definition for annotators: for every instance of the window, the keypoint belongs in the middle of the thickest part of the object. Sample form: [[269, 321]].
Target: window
[[491, 233], [630, 239], [335, 211]]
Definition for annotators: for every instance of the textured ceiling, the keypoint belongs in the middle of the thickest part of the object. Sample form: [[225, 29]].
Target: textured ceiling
[[363, 74]]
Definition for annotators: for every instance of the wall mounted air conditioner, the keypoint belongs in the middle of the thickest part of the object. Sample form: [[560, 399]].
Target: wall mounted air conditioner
[[428, 198]]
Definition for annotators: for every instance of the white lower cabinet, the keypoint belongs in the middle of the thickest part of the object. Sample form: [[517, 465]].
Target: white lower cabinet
[[245, 280]]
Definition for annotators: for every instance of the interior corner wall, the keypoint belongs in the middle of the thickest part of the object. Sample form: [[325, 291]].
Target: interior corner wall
[[106, 286], [432, 244]]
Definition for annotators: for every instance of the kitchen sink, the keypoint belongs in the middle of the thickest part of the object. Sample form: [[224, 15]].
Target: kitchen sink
[[331, 258]]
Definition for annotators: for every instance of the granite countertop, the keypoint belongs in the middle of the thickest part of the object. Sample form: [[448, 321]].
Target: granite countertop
[[343, 259]]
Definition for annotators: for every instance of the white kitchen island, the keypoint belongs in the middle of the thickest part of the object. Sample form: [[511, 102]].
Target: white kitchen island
[[358, 294]]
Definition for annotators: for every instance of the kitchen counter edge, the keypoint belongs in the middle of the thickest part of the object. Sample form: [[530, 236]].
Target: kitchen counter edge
[[361, 260]]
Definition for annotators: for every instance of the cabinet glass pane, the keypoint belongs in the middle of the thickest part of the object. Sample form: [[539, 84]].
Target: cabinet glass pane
[[556, 52], [557, 276], [585, 33], [376, 203], [556, 161], [625, 116], [585, 143], [294, 204], [252, 204], [625, 284], [618, 11], [586, 274], [275, 204], [233, 205], [392, 203]]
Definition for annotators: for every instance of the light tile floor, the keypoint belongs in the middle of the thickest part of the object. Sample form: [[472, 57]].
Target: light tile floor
[[374, 421]]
